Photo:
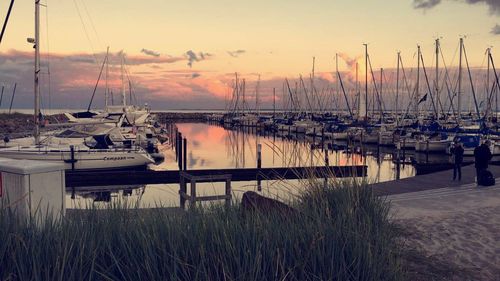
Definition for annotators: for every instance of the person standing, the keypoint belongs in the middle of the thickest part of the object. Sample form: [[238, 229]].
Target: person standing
[[482, 155], [458, 157]]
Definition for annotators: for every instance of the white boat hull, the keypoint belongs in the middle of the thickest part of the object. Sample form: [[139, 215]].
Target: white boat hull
[[432, 146], [83, 159]]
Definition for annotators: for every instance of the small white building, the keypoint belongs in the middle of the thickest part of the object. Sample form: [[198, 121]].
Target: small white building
[[32, 189]]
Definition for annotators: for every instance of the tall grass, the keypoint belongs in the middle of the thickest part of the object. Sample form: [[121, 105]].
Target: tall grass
[[337, 234]]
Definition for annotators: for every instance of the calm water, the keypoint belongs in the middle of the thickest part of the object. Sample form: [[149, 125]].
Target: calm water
[[212, 147]]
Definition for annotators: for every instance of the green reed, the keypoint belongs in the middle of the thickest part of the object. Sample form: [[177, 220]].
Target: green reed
[[338, 233]]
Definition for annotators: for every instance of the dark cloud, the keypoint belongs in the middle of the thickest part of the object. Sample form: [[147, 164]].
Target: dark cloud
[[496, 30], [150, 53], [193, 57], [236, 53], [494, 5], [425, 4]]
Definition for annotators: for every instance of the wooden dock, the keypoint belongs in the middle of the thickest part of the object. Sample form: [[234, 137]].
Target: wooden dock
[[98, 178], [429, 181]]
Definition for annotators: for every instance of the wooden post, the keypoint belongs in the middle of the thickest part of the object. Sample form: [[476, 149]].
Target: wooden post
[[185, 154], [259, 156], [228, 192], [182, 192], [193, 193], [427, 151], [179, 150], [72, 151], [259, 165], [323, 137], [404, 148]]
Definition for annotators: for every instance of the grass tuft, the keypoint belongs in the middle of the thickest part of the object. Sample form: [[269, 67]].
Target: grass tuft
[[340, 233]]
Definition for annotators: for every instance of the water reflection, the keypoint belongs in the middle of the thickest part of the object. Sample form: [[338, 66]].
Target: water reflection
[[212, 147]]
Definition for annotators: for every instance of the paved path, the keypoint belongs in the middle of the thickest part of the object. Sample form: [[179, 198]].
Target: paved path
[[458, 224], [430, 181]]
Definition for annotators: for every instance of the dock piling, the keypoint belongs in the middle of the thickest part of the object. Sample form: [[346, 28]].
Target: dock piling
[[185, 154]]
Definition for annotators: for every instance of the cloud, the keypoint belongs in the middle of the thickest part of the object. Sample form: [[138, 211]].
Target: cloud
[[236, 53], [150, 52], [496, 30], [425, 4], [494, 5], [192, 57]]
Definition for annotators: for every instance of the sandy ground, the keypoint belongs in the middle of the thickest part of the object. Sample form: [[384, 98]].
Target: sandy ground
[[459, 225]]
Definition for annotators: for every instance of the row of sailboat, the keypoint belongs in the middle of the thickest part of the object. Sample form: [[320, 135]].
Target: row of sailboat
[[433, 129], [120, 137]]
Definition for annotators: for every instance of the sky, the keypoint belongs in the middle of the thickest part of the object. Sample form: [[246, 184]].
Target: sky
[[184, 54]]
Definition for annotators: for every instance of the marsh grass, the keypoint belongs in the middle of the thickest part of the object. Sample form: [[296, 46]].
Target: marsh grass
[[340, 233]]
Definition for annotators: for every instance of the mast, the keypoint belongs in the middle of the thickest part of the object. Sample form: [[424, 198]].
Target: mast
[[257, 104], [397, 86], [366, 80], [106, 88], [37, 72], [357, 92], [274, 102], [417, 92], [312, 86], [337, 78], [438, 98], [380, 95], [460, 81], [124, 98]]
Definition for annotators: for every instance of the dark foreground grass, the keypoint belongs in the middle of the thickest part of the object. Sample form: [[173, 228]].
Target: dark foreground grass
[[338, 234]]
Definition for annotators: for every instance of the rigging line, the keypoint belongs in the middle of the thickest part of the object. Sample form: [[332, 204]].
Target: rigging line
[[86, 33], [471, 84], [429, 87], [48, 53], [92, 23], [97, 83], [380, 102], [127, 72], [447, 83], [6, 20]]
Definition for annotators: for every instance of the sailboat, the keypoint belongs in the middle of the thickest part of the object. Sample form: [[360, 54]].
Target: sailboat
[[96, 151]]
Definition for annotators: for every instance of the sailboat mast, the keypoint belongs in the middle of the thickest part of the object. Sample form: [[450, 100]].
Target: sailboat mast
[[397, 86], [312, 86], [124, 98], [357, 92], [380, 94], [106, 88], [366, 80], [460, 81], [437, 77], [37, 72], [274, 102], [417, 86], [488, 105], [337, 78]]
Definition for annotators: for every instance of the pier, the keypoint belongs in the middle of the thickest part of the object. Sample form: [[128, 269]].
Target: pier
[[97, 178]]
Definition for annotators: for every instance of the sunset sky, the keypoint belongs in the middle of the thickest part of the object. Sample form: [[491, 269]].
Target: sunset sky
[[183, 54]]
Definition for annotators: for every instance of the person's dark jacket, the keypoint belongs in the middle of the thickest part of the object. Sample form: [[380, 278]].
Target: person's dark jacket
[[458, 153], [482, 155]]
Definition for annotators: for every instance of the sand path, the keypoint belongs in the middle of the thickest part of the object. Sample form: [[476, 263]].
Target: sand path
[[458, 224]]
